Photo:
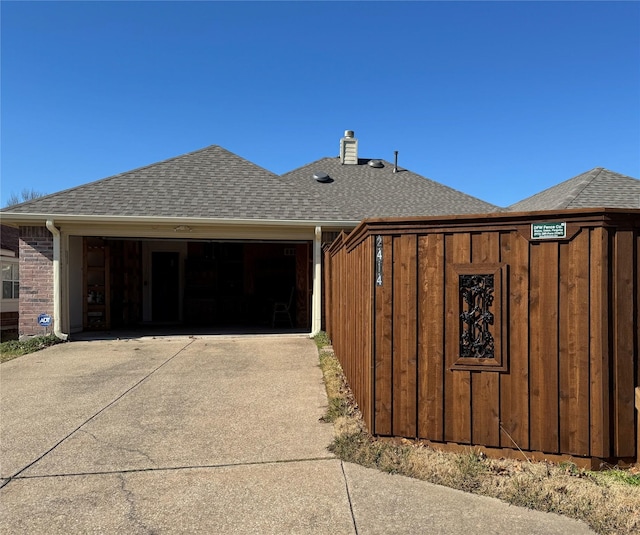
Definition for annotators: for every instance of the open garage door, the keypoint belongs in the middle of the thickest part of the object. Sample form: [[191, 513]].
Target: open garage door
[[240, 286]]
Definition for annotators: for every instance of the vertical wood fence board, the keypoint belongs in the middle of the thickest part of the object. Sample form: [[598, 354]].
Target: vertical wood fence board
[[431, 337], [574, 345], [368, 287], [457, 382], [340, 303], [581, 405], [450, 315], [485, 388], [383, 339], [342, 296], [514, 385], [564, 354], [404, 336], [485, 406], [358, 358], [350, 331], [354, 321], [337, 332], [623, 353], [544, 351], [366, 359], [354, 376], [599, 344], [332, 303], [636, 317], [341, 326], [328, 299], [339, 300]]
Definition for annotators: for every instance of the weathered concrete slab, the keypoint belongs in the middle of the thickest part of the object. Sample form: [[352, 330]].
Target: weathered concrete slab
[[298, 497], [203, 435], [388, 504], [46, 395], [220, 401]]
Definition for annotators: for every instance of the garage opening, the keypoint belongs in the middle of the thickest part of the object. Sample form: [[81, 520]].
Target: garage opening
[[244, 286]]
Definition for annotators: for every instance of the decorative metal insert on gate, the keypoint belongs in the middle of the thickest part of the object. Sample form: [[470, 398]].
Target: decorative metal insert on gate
[[476, 317]]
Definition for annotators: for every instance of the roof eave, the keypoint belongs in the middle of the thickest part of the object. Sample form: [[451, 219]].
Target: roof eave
[[18, 219]]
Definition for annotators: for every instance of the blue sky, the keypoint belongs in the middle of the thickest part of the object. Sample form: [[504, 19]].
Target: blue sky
[[496, 99]]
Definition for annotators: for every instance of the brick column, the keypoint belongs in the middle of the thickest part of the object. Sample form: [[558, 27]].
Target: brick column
[[36, 278]]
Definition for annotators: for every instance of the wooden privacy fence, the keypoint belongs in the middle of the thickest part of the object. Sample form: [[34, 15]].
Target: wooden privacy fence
[[502, 330]]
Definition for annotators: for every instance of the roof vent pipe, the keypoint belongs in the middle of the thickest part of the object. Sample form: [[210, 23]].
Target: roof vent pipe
[[395, 161], [349, 149]]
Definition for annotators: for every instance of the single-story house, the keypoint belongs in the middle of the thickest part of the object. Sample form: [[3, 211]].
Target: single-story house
[[205, 240]]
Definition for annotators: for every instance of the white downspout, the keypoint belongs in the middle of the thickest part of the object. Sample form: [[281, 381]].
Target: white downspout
[[316, 304], [57, 308]]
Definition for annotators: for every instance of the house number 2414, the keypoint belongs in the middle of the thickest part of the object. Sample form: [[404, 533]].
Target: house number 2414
[[378, 260]]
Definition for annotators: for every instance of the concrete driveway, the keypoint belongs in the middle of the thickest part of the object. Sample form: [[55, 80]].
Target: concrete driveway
[[203, 435]]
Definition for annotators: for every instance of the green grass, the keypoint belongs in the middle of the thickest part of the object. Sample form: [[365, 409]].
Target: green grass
[[620, 476], [322, 339], [16, 348]]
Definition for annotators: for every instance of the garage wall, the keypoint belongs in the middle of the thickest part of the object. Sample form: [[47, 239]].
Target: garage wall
[[36, 278]]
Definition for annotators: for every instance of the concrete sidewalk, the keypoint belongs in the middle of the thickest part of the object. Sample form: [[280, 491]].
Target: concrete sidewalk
[[204, 435]]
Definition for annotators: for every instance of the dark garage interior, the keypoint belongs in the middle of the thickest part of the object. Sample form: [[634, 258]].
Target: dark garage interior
[[242, 285]]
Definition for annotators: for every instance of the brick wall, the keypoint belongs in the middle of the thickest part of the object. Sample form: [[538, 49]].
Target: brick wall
[[36, 278]]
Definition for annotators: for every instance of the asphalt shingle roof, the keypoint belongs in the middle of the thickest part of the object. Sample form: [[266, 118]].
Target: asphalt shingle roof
[[215, 183], [360, 191], [598, 188], [211, 182]]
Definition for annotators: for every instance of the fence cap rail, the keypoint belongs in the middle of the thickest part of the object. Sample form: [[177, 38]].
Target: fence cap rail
[[612, 217]]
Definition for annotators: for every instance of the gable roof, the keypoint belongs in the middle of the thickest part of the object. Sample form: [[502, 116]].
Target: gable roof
[[215, 183], [209, 183], [361, 191], [598, 188]]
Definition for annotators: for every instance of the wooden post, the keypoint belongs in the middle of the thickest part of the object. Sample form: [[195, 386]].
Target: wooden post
[[638, 426]]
